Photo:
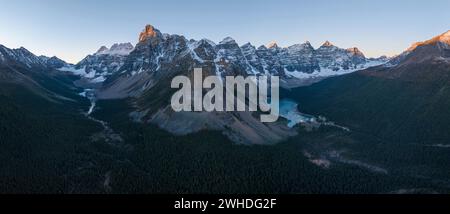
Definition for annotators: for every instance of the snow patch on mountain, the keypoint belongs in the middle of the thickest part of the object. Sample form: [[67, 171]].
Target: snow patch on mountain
[[28, 59], [73, 70], [192, 46], [116, 49], [327, 72], [300, 61], [103, 63], [227, 40]]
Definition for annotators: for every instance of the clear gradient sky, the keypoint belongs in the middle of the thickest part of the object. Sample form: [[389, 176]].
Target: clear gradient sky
[[71, 29]]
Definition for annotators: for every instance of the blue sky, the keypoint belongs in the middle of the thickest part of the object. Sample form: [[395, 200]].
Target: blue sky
[[71, 29]]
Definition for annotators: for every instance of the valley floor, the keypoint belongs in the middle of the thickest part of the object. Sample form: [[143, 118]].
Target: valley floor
[[59, 148], [150, 160]]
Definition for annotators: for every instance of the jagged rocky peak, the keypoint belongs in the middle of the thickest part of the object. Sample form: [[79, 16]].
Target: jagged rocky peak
[[207, 41], [327, 44], [148, 32], [307, 44], [262, 47], [272, 44], [248, 46], [301, 47], [54, 62], [119, 46], [227, 40], [355, 51], [102, 49], [23, 51], [116, 49]]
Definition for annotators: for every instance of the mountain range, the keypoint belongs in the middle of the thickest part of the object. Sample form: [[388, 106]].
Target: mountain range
[[399, 113], [143, 73], [381, 123], [299, 64]]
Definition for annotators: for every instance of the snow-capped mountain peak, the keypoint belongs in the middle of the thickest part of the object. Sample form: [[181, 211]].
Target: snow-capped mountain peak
[[227, 40], [102, 49], [149, 32], [208, 41], [307, 45], [262, 47], [272, 44], [156, 53], [327, 44], [53, 62], [248, 44], [116, 49], [355, 51], [103, 63], [301, 47]]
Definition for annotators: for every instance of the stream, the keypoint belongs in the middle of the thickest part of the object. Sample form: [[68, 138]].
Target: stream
[[107, 133]]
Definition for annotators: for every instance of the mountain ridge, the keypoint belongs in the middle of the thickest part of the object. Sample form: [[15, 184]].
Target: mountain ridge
[[275, 60]]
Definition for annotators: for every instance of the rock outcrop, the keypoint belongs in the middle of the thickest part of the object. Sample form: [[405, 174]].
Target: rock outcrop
[[149, 31]]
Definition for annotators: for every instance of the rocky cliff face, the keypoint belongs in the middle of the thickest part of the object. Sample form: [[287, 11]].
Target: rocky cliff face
[[148, 32]]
